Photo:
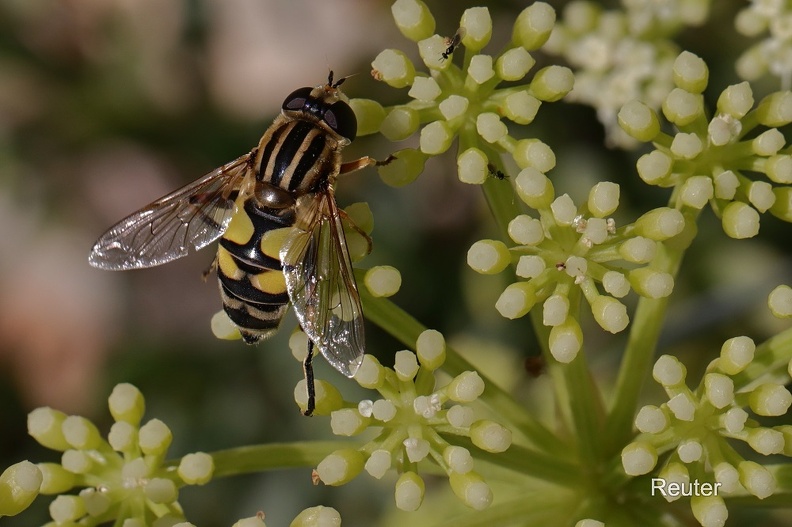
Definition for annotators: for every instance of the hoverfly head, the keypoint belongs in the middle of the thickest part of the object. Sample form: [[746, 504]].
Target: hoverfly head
[[325, 103]]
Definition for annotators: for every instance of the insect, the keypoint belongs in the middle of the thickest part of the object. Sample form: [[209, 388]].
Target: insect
[[494, 172], [453, 43], [280, 231]]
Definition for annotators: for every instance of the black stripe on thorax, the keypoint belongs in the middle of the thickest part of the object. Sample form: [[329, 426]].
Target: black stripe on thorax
[[289, 147], [308, 160]]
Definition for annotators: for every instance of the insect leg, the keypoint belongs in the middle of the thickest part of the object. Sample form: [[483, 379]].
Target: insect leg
[[360, 231], [363, 162], [212, 268], [309, 380]]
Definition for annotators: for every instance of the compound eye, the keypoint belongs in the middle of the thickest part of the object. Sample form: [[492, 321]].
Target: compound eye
[[296, 100], [342, 120]]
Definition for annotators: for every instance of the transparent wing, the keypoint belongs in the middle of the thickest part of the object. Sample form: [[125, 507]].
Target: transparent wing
[[321, 284], [193, 216]]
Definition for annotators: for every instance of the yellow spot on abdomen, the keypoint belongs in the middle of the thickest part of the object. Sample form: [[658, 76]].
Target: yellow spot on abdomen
[[240, 230], [272, 282], [227, 265], [273, 240]]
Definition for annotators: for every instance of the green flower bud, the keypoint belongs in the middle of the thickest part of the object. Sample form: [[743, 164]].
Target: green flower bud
[[780, 301], [19, 486], [370, 374], [709, 510], [196, 469], [430, 349], [770, 399], [736, 100], [682, 107], [394, 67], [610, 314], [477, 24], [348, 422], [520, 106], [514, 64], [340, 467], [566, 340], [639, 121], [488, 256], [383, 281], [779, 169], [465, 387], [603, 199], [660, 224], [719, 390], [668, 371], [690, 72], [775, 110], [654, 167], [471, 489], [409, 491], [651, 420], [81, 433], [651, 283], [328, 398], [552, 83], [756, 479], [155, 437], [413, 19], [534, 188], [516, 300], [534, 153], [425, 89], [740, 220], [370, 115], [436, 138], [400, 123], [161, 490], [490, 127], [533, 26], [490, 436], [472, 166], [126, 403], [55, 479], [44, 425], [638, 458], [404, 169]]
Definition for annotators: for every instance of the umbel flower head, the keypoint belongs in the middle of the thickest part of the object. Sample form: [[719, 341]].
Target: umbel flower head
[[573, 253], [718, 159], [416, 421], [699, 426], [467, 102], [121, 478], [773, 54]]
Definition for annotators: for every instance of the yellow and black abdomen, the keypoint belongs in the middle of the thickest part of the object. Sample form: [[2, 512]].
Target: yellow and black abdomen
[[249, 270]]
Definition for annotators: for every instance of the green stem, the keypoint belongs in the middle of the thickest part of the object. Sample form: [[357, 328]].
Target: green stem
[[403, 327], [525, 461], [642, 342], [272, 456]]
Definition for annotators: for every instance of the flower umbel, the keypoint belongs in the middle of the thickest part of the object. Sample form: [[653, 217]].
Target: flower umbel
[[564, 254], [713, 160], [698, 427], [467, 102], [417, 421], [122, 477]]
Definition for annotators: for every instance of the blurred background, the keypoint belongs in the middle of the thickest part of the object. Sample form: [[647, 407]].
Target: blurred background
[[106, 105]]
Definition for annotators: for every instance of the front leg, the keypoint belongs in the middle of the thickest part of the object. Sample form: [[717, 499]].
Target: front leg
[[363, 162], [309, 380]]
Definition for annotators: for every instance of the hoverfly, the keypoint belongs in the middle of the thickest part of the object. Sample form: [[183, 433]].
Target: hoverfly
[[453, 43], [280, 230]]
